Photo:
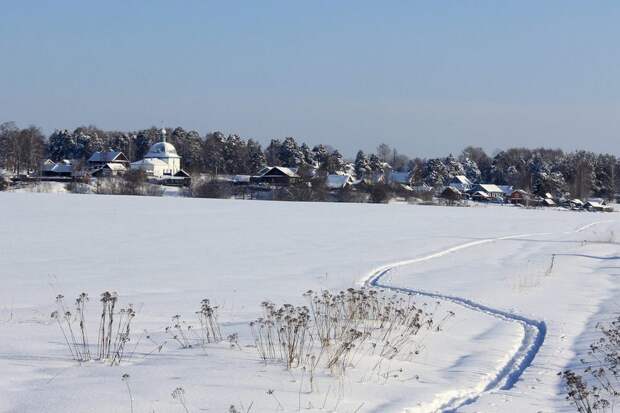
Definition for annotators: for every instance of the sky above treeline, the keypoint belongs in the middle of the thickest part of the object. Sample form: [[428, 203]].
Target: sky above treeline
[[427, 78]]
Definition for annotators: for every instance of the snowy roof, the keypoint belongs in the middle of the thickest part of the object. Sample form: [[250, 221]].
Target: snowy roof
[[595, 204], [60, 168], [181, 173], [461, 179], [116, 166], [490, 188], [400, 177], [423, 188], [481, 194], [107, 156], [241, 178], [452, 190], [548, 202], [268, 170], [48, 165], [576, 201], [506, 189], [337, 181], [162, 150], [150, 161]]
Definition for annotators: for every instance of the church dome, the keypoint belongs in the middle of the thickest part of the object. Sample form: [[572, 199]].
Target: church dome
[[162, 150]]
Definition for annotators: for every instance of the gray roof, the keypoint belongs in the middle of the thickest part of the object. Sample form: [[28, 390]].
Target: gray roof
[[400, 177], [337, 181], [266, 171], [461, 179], [490, 188], [107, 156], [60, 168]]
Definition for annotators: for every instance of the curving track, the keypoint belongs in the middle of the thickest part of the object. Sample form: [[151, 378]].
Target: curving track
[[534, 331]]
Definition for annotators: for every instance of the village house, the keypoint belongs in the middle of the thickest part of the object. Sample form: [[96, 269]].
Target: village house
[[451, 194], [62, 169], [276, 175], [594, 206], [493, 192], [109, 169], [100, 158], [460, 183], [336, 182], [520, 197], [506, 189], [480, 196], [399, 178], [423, 189], [575, 204]]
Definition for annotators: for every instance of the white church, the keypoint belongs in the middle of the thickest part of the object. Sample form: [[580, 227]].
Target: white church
[[161, 160]]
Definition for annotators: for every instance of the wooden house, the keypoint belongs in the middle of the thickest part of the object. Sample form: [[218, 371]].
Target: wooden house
[[492, 191], [101, 158], [276, 175]]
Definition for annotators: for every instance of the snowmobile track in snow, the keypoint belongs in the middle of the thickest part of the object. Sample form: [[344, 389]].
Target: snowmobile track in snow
[[534, 331]]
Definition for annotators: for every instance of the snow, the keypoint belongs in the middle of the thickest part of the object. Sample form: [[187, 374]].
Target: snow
[[334, 181], [518, 321]]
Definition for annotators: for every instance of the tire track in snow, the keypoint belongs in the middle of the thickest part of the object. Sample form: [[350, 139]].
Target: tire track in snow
[[534, 331]]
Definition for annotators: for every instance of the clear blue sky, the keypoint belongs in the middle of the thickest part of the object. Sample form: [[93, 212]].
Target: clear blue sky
[[425, 77]]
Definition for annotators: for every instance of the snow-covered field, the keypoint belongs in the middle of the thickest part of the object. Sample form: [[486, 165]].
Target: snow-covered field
[[518, 318]]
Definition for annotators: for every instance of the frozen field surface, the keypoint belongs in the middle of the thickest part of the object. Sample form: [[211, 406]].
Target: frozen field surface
[[526, 288]]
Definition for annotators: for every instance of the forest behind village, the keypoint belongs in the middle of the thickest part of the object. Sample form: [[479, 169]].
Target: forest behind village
[[579, 173]]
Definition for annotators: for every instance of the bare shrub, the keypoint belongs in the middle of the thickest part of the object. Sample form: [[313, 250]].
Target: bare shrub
[[597, 389], [380, 193], [113, 333], [78, 187], [132, 182], [4, 182], [212, 189]]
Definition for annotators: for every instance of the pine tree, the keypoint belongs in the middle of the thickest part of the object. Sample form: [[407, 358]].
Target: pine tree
[[213, 153], [321, 155], [453, 166], [362, 166], [256, 159], [290, 155], [272, 153], [335, 163], [375, 164], [472, 172], [308, 155], [436, 174], [62, 145]]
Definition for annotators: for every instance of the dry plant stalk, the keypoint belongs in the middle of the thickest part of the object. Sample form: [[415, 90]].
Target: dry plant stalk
[[113, 333]]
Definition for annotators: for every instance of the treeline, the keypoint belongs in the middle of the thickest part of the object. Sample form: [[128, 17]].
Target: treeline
[[580, 173]]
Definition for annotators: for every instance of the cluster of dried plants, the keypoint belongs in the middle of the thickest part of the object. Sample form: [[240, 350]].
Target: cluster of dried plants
[[209, 325], [597, 389], [209, 332], [336, 330], [113, 333]]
